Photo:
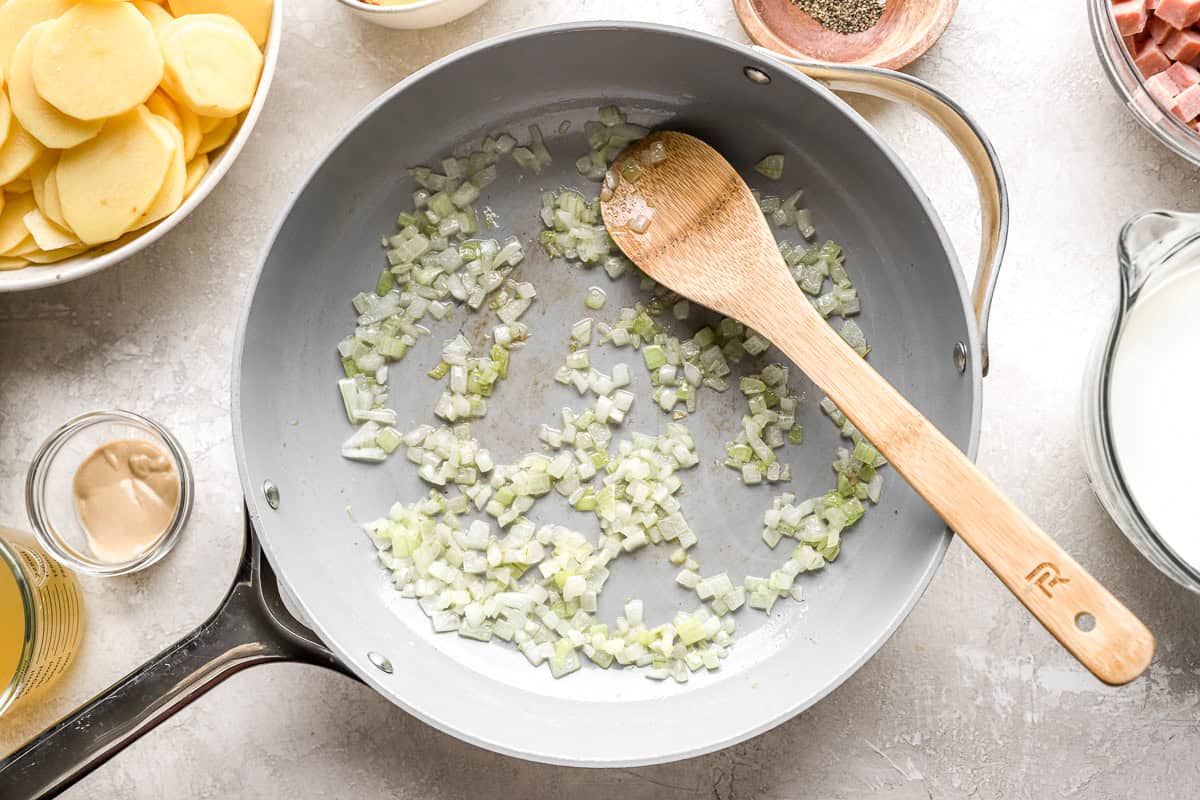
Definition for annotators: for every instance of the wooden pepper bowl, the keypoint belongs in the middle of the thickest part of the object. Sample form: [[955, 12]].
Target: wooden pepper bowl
[[906, 30]]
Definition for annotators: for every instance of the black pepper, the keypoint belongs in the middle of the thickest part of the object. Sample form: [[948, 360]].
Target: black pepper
[[843, 16]]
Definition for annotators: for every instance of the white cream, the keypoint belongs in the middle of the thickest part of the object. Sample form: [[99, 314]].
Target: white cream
[[1153, 398]]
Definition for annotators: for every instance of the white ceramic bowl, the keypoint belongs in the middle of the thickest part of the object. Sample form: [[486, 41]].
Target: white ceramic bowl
[[419, 14], [104, 256]]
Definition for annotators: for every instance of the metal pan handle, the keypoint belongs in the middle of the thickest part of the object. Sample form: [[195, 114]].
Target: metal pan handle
[[251, 626], [962, 131]]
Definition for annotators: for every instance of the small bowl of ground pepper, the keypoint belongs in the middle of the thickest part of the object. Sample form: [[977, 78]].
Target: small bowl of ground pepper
[[875, 33]]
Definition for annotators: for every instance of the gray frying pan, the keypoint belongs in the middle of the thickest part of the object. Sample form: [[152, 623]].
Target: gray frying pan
[[288, 424]]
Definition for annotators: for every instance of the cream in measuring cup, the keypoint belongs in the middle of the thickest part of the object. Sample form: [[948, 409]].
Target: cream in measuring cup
[[1153, 394]]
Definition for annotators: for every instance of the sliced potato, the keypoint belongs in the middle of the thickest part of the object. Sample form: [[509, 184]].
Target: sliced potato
[[18, 186], [196, 169], [37, 176], [190, 128], [107, 183], [7, 264], [162, 105], [27, 246], [211, 64], [48, 235], [13, 232], [156, 15], [218, 136], [254, 15], [171, 194], [97, 60], [18, 16], [5, 116], [50, 205], [46, 123], [208, 123], [53, 256], [18, 153]]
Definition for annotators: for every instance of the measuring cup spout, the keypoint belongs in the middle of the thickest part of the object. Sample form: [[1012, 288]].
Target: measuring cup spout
[[1150, 239]]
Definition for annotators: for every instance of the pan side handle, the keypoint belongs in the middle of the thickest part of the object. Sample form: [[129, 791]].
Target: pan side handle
[[967, 137], [250, 627]]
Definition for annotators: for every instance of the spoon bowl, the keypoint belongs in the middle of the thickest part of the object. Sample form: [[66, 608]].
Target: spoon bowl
[[687, 219]]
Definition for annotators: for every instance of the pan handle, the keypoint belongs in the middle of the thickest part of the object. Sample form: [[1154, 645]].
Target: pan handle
[[962, 131], [251, 626]]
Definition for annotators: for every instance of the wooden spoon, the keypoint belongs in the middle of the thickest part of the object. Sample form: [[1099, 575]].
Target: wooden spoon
[[708, 241]]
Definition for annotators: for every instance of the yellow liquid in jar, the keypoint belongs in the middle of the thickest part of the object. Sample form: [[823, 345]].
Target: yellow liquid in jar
[[12, 626]]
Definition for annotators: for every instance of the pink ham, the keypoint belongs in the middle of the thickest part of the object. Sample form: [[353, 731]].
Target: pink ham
[[1180, 13], [1187, 104], [1158, 29], [1162, 89], [1151, 59], [1152, 4], [1183, 75], [1131, 16], [1182, 46]]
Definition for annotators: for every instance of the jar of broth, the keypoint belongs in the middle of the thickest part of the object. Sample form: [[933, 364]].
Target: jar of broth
[[41, 619]]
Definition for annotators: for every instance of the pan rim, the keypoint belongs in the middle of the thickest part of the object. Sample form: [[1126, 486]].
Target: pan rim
[[359, 666]]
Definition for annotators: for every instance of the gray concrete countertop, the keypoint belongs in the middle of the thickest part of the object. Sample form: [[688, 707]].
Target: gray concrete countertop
[[971, 698]]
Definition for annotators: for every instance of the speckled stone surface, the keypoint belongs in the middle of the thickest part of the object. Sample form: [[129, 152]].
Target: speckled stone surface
[[971, 698]]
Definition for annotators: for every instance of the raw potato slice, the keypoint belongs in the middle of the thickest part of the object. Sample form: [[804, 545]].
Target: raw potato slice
[[97, 60], [18, 153], [254, 15], [171, 194], [208, 123], [19, 186], [212, 64], [12, 263], [181, 117], [53, 256], [156, 15], [13, 232], [218, 136], [163, 106], [37, 176], [18, 16], [5, 116], [105, 184], [46, 123], [50, 204], [48, 235], [196, 170], [27, 246]]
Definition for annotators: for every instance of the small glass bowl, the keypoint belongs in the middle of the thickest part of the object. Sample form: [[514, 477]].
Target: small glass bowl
[[1127, 80], [49, 495]]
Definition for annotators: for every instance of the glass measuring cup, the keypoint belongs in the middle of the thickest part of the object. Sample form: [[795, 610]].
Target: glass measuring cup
[[41, 618], [1153, 248]]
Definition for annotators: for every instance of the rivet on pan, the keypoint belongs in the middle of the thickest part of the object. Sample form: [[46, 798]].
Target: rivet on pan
[[960, 357], [381, 663], [271, 492], [756, 75]]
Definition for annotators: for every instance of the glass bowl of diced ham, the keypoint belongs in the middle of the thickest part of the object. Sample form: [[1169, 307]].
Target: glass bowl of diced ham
[[1150, 50]]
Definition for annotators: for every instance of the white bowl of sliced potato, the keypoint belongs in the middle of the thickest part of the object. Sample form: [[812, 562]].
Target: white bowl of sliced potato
[[117, 118]]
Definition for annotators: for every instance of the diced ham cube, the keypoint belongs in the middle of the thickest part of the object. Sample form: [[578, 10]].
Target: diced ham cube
[[1183, 75], [1182, 45], [1162, 89], [1131, 16], [1187, 104], [1151, 60], [1180, 13], [1158, 29]]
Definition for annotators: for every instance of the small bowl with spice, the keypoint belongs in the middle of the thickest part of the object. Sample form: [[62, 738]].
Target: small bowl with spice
[[109, 493], [873, 33], [411, 14]]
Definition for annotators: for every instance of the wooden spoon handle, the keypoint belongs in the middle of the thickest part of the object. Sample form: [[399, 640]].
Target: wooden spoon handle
[[1092, 624]]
